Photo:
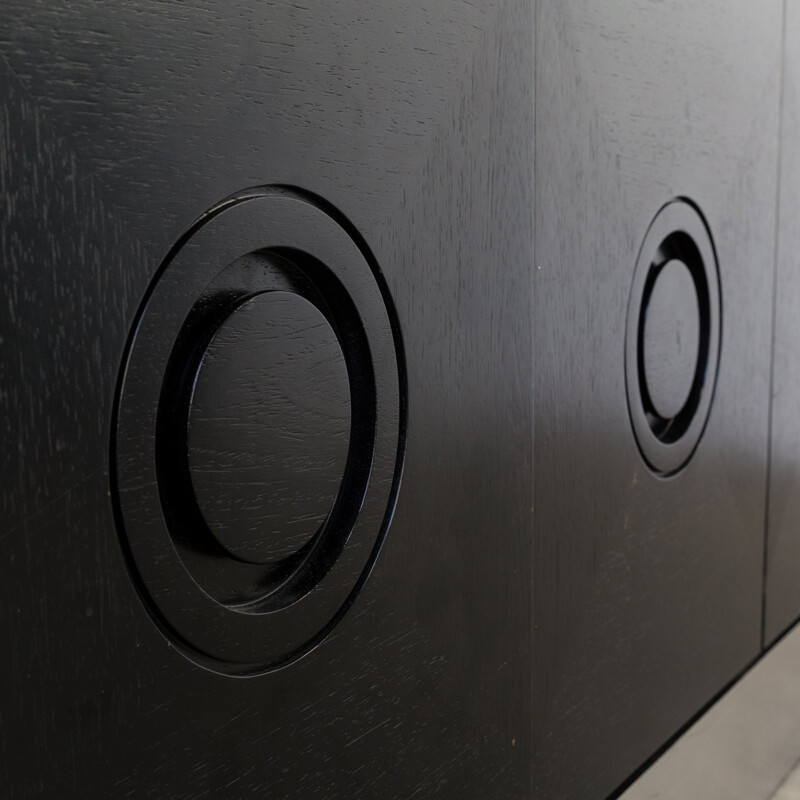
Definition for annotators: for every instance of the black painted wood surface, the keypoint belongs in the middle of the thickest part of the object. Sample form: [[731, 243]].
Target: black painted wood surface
[[120, 125], [545, 612], [647, 591], [268, 429]]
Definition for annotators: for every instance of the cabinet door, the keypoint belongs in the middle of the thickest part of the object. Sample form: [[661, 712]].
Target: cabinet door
[[783, 531], [409, 125], [647, 587]]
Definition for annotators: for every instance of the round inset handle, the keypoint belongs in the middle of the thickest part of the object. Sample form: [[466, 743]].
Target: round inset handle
[[673, 335], [259, 431]]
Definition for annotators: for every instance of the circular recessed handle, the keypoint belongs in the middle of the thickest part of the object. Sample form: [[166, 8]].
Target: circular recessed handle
[[673, 335], [259, 431]]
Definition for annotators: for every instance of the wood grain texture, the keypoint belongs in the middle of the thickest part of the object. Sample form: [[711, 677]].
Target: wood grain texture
[[515, 639], [269, 426], [120, 127], [646, 591]]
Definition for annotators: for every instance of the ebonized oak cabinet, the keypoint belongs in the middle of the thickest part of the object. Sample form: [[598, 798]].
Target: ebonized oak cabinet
[[387, 391]]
